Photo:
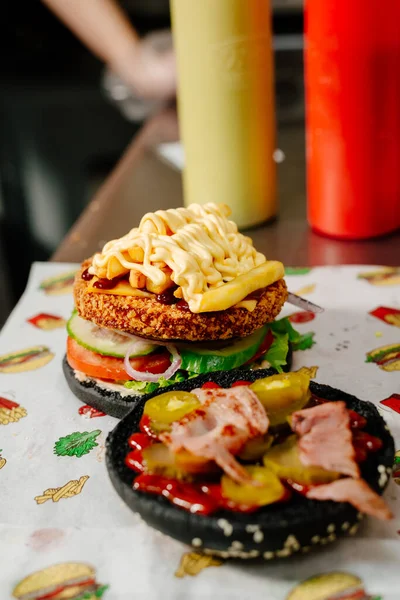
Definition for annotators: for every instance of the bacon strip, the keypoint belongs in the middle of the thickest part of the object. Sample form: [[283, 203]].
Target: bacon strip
[[220, 428], [355, 491], [326, 438]]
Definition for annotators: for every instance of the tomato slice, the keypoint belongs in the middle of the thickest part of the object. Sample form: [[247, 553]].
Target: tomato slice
[[107, 367], [265, 346]]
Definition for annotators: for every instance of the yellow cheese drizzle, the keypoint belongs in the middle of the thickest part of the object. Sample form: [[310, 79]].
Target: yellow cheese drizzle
[[199, 244]]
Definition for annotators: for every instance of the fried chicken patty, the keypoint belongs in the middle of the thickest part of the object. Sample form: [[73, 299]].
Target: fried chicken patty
[[146, 317]]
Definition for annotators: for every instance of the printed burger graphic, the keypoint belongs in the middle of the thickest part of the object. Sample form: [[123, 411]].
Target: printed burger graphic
[[66, 581], [27, 359], [383, 276], [58, 285], [391, 316], [331, 586], [386, 357]]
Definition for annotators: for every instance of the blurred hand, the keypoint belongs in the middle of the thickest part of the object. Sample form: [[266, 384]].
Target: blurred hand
[[150, 70]]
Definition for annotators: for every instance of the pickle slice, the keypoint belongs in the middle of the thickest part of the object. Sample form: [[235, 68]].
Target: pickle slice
[[283, 459], [160, 460], [268, 490], [170, 407], [255, 448], [283, 394]]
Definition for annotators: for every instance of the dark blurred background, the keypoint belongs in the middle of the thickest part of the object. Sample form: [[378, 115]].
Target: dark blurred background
[[59, 134]]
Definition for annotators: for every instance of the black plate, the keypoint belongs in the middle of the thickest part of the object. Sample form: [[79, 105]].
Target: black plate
[[272, 532], [109, 402]]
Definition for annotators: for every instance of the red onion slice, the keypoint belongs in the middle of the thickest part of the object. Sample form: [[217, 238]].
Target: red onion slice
[[153, 377]]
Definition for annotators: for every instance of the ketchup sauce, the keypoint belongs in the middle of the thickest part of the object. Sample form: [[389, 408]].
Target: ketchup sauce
[[205, 497], [106, 284], [168, 297], [86, 276]]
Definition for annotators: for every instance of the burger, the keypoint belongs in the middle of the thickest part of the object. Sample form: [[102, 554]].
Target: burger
[[182, 294], [265, 466], [386, 357], [28, 359], [67, 581]]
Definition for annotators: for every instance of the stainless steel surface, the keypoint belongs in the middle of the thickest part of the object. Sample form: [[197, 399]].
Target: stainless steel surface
[[304, 304]]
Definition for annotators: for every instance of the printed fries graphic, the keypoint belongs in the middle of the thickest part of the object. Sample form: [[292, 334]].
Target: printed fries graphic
[[307, 289], [69, 490], [47, 322], [10, 411], [392, 402], [192, 563], [391, 316]]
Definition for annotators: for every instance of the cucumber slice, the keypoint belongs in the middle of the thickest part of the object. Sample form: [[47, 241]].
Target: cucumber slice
[[202, 360], [101, 340]]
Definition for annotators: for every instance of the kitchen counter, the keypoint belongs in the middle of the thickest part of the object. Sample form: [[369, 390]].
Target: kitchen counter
[[143, 182]]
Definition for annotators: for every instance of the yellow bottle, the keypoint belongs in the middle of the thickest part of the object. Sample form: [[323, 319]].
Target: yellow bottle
[[226, 104]]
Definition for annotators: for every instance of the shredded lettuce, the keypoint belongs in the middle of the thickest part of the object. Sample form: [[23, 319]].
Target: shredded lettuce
[[149, 387], [298, 341], [278, 351], [284, 333]]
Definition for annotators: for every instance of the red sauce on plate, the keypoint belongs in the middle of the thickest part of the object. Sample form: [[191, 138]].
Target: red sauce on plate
[[357, 421], [145, 427], [305, 316], [140, 441], [90, 411], [366, 441], [134, 461], [185, 495]]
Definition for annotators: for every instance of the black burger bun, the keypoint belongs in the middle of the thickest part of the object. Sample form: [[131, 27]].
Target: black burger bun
[[113, 403], [274, 531]]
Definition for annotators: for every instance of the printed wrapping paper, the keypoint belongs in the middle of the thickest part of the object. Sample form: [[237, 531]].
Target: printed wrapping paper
[[58, 506]]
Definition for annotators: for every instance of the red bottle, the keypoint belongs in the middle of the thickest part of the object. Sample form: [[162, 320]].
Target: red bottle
[[352, 74]]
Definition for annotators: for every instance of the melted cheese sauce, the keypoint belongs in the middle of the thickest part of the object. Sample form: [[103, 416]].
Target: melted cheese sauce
[[199, 244]]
